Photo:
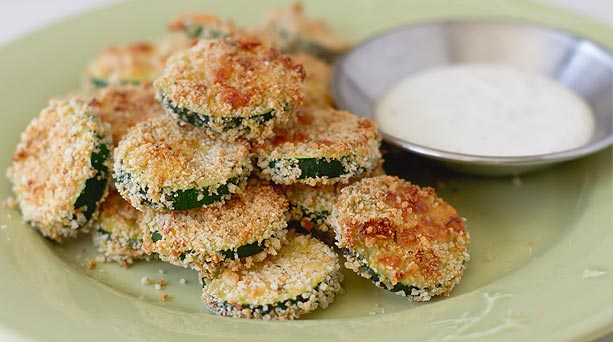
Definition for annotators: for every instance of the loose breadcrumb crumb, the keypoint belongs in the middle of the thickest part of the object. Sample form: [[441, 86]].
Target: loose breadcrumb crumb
[[91, 264], [160, 283], [9, 203], [164, 297], [145, 280]]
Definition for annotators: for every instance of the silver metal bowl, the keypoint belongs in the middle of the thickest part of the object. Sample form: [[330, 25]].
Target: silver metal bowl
[[364, 74]]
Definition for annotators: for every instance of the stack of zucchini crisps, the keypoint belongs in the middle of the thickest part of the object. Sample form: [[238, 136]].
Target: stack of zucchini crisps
[[200, 149]]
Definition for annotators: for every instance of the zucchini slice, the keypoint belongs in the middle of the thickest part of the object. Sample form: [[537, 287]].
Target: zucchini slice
[[232, 87], [291, 31], [118, 234], [164, 165], [60, 169], [131, 64], [402, 237], [322, 146], [203, 26], [125, 106], [245, 229], [301, 277]]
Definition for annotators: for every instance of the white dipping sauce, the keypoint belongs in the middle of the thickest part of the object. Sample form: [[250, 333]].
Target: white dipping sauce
[[487, 110]]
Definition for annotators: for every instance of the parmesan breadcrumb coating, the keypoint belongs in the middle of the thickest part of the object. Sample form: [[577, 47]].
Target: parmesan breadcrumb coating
[[315, 84], [203, 238], [124, 106], [118, 234], [232, 87], [402, 237], [301, 277], [319, 133], [60, 152], [159, 160]]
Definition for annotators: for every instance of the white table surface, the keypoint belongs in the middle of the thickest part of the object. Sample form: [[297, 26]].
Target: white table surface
[[19, 17]]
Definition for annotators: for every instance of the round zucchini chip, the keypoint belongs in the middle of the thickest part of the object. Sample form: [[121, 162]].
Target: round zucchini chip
[[231, 87], [124, 106], [162, 164], [401, 237], [291, 31], [245, 229], [321, 146], [118, 234], [301, 277], [60, 169], [311, 206], [204, 26], [132, 63]]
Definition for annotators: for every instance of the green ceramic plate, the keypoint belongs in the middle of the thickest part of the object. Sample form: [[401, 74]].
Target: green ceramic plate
[[542, 245]]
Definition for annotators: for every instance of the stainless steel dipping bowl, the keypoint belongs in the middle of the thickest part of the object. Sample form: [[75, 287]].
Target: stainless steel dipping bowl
[[365, 74]]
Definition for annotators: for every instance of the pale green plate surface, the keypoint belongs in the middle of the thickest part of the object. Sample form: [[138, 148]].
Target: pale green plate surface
[[542, 251]]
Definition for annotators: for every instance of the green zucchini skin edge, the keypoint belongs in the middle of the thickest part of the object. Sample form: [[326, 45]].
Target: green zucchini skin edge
[[298, 44], [196, 31], [244, 250], [228, 254], [102, 83], [187, 199], [95, 186], [317, 167], [202, 120]]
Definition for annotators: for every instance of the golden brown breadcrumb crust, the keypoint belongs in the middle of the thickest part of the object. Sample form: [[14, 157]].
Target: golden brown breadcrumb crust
[[160, 157], [227, 79], [315, 85], [52, 164], [405, 233], [196, 238], [301, 277], [322, 133], [124, 106]]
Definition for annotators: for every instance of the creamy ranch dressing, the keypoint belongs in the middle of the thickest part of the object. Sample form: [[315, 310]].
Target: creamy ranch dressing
[[489, 110]]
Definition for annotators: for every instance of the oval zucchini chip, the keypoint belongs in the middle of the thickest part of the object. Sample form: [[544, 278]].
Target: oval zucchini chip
[[60, 169], [231, 87], [164, 165], [245, 229], [402, 237], [303, 276], [132, 64], [122, 107], [291, 31], [203, 26], [321, 146]]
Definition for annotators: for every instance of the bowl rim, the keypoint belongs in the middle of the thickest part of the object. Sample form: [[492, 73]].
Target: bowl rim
[[473, 159]]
